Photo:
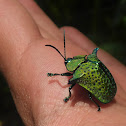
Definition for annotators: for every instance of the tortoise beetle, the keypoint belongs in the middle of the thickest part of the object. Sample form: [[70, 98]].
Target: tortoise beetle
[[91, 74]]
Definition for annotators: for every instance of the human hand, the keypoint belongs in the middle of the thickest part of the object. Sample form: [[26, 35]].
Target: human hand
[[25, 62]]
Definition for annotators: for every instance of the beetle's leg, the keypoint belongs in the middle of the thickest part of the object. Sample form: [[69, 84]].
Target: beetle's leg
[[63, 74], [67, 98], [90, 96]]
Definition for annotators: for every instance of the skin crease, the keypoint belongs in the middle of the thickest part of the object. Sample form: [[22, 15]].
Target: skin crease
[[25, 61]]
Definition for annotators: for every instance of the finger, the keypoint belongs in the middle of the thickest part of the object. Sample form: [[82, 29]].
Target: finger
[[47, 28], [79, 38], [18, 30], [118, 70]]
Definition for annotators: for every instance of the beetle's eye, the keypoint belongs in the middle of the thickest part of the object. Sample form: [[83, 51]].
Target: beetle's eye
[[68, 60]]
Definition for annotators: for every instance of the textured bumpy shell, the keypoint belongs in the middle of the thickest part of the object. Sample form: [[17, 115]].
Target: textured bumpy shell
[[97, 79]]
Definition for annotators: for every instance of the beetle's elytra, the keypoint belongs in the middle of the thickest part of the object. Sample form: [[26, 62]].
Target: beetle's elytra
[[90, 73]]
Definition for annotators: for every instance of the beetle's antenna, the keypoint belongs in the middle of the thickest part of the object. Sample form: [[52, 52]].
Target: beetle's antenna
[[57, 51], [64, 46]]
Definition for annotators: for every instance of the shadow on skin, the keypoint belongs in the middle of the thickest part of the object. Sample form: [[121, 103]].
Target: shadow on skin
[[79, 94]]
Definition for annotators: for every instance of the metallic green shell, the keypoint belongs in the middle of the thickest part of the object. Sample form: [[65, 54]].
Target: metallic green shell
[[98, 80], [94, 76]]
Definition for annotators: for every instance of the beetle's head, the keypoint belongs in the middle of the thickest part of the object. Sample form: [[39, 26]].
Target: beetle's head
[[93, 57]]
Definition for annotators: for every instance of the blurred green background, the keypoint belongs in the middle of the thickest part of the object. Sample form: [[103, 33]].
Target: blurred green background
[[103, 21]]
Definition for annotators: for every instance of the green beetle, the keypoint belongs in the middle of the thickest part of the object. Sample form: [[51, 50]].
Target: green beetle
[[90, 73]]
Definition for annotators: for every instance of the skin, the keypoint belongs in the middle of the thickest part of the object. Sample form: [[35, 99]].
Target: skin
[[25, 61]]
